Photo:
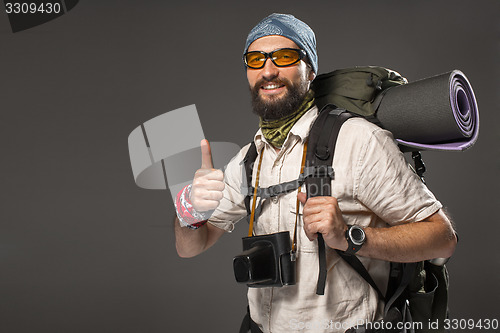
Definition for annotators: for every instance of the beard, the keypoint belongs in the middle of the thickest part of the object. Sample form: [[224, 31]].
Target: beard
[[278, 107]]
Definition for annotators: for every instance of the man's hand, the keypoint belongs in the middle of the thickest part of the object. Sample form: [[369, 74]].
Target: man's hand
[[208, 183], [322, 215]]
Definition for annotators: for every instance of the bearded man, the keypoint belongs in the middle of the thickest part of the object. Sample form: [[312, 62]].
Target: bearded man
[[374, 189]]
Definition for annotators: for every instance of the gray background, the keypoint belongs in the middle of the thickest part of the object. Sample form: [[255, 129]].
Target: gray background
[[83, 249]]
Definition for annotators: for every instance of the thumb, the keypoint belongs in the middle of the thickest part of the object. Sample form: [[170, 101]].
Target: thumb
[[206, 155], [302, 197]]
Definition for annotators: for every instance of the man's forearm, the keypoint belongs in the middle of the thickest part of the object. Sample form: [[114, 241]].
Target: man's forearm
[[429, 239], [190, 243]]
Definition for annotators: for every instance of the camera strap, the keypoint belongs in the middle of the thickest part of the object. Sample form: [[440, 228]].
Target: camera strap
[[297, 206], [252, 213], [256, 194]]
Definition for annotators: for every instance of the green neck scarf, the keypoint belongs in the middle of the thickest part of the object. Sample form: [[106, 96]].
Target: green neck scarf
[[276, 131]]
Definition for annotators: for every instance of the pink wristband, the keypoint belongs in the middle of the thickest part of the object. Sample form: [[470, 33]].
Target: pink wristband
[[188, 216]]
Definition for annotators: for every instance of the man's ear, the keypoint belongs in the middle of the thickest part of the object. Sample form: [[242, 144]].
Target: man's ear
[[312, 75]]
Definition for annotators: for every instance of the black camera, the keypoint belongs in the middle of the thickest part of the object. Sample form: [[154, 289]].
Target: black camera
[[266, 261]]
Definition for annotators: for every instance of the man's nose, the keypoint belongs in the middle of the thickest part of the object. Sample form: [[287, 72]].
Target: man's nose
[[270, 70]]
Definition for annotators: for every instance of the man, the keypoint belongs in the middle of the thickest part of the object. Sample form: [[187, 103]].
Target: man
[[373, 188]]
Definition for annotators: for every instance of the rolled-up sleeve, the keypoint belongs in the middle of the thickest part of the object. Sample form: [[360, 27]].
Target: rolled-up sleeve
[[385, 183]]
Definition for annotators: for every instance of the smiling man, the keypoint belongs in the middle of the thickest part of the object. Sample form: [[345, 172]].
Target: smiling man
[[374, 191], [277, 92]]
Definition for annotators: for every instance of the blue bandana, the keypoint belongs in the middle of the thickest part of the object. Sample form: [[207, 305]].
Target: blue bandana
[[290, 27]]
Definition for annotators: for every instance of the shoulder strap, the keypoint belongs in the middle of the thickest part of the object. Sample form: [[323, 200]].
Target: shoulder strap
[[322, 142], [321, 148], [407, 273], [358, 266], [248, 161]]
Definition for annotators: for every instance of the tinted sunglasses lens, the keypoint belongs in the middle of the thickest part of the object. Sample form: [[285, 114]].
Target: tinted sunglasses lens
[[285, 57], [255, 59]]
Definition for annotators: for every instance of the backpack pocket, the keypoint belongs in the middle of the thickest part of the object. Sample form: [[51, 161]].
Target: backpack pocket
[[421, 302]]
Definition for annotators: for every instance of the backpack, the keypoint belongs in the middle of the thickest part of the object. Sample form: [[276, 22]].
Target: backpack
[[357, 89], [417, 294]]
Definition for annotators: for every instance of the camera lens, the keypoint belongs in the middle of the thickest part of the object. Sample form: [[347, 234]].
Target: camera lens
[[241, 269], [256, 265]]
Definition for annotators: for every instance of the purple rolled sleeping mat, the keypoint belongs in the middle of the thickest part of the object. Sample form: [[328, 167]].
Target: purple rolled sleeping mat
[[435, 113]]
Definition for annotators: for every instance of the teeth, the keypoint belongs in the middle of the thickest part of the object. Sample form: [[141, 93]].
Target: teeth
[[270, 86]]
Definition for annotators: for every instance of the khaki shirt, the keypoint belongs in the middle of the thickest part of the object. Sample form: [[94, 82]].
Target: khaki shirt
[[374, 187]]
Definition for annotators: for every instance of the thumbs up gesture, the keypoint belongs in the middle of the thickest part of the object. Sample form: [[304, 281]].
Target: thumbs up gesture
[[208, 183]]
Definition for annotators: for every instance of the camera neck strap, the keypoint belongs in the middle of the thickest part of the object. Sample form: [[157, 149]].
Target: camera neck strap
[[252, 213], [255, 195], [302, 165]]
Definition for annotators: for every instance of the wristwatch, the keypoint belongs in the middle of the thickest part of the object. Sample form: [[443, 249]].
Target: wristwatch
[[356, 237]]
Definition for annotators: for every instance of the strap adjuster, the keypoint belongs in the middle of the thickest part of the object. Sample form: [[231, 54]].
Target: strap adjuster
[[320, 171], [323, 153], [419, 164]]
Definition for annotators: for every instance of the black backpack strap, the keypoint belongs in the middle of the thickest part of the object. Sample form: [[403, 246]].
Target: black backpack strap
[[358, 266], [320, 151], [248, 162], [419, 164], [322, 141], [408, 273]]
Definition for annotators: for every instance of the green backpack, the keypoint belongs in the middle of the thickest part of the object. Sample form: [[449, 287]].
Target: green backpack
[[358, 90]]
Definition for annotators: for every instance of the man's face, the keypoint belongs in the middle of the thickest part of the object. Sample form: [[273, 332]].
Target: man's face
[[277, 91]]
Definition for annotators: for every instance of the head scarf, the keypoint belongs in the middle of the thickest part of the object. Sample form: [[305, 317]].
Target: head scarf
[[290, 27]]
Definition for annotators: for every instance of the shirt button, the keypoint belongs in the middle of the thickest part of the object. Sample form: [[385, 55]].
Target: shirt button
[[274, 199]]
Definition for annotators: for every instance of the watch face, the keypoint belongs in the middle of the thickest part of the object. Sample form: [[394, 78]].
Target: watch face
[[357, 235]]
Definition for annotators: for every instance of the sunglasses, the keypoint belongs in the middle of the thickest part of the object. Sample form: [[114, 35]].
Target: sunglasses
[[281, 57]]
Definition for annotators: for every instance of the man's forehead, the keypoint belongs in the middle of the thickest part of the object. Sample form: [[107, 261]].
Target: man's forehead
[[271, 43]]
